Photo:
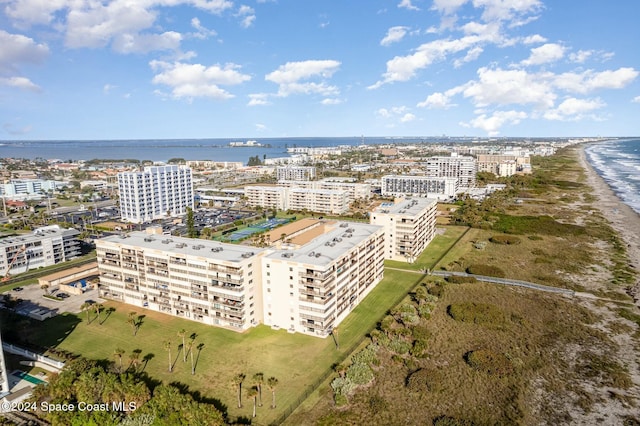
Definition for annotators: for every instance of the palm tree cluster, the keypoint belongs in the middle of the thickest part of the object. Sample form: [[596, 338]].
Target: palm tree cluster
[[187, 347], [254, 393]]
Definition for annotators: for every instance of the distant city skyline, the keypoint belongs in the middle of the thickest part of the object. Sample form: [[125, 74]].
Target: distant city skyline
[[81, 70]]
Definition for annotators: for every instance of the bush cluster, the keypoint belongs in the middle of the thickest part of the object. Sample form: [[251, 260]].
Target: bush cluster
[[459, 279], [490, 362], [477, 313], [505, 239], [486, 270]]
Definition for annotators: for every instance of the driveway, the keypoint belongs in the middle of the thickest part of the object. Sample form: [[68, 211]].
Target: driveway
[[33, 298]]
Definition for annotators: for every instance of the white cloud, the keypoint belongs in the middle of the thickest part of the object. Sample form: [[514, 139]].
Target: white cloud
[[107, 88], [406, 4], [504, 87], [403, 68], [590, 80], [259, 126], [331, 101], [400, 114], [472, 55], [202, 32], [394, 35], [447, 7], [18, 49], [144, 43], [492, 124], [580, 56], [258, 99], [247, 16], [501, 10], [636, 99], [436, 101], [22, 83], [13, 130], [291, 77], [573, 109], [545, 54], [195, 80], [534, 39]]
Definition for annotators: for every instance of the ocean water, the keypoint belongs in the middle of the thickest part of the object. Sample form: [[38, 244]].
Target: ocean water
[[164, 150], [618, 162]]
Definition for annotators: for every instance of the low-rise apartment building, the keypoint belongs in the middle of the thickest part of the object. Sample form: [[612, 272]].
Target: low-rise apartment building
[[503, 165], [354, 190], [419, 186], [296, 198], [45, 246], [308, 285], [217, 284], [295, 173], [409, 224]]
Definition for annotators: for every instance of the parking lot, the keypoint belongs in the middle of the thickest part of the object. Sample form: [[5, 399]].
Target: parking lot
[[33, 300]]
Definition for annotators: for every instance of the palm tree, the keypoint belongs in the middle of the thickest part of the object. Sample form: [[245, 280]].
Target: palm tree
[[237, 383], [98, 307], [118, 354], [272, 382], [258, 379], [190, 347], [183, 333], [252, 393], [167, 347], [45, 287], [134, 357], [86, 306], [132, 320]]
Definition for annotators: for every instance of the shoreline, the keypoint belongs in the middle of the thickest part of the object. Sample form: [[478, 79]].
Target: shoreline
[[622, 218]]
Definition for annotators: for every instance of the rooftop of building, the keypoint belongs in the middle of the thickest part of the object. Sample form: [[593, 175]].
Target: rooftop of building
[[183, 245], [406, 206], [38, 235], [325, 247]]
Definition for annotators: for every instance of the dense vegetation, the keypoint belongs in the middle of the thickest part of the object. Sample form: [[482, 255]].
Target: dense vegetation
[[97, 393]]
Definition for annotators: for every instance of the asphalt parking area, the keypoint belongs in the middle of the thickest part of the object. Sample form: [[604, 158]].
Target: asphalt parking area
[[33, 299]]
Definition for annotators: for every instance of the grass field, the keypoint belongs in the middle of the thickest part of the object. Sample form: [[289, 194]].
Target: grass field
[[434, 251], [296, 360]]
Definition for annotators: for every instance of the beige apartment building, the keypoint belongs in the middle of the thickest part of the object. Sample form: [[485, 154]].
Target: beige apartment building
[[354, 190], [312, 287], [295, 198], [307, 285], [409, 224], [217, 284], [503, 165]]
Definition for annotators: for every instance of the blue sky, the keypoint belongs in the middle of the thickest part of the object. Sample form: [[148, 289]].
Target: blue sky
[[120, 69]]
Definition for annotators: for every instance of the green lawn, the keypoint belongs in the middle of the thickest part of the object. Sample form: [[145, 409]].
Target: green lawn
[[434, 251], [296, 360]]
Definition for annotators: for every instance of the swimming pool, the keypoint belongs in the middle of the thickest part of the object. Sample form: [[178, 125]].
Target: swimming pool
[[28, 377]]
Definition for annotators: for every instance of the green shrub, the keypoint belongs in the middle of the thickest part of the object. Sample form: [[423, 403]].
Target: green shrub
[[359, 374], [419, 349], [399, 345], [487, 270], [490, 362], [436, 290], [505, 239], [534, 237], [424, 311], [477, 313], [459, 279]]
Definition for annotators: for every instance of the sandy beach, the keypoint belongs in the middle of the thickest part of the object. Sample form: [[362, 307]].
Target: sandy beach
[[622, 217]]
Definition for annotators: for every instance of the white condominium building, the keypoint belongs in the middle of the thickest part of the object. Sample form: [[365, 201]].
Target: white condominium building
[[313, 288], [296, 198], [409, 224], [155, 193], [503, 165], [419, 186], [461, 167], [354, 190], [46, 246], [318, 200], [295, 173], [268, 197], [29, 186], [308, 286], [218, 284]]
